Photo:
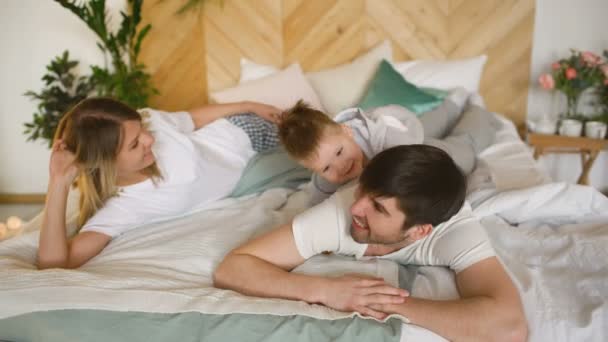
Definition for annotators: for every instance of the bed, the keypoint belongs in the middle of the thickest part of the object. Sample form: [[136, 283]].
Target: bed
[[154, 284]]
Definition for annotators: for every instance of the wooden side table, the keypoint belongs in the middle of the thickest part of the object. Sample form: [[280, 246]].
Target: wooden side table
[[588, 149]]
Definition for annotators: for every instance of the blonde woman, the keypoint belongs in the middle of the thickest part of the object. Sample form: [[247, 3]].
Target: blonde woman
[[133, 168]]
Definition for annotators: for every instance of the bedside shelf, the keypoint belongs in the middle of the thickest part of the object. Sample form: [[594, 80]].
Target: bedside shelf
[[587, 148]]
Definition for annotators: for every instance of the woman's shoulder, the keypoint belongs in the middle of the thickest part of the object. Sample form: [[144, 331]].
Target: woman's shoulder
[[176, 121]]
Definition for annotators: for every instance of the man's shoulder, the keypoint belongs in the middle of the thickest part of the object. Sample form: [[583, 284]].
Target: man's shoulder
[[324, 226], [461, 231], [462, 218], [337, 204], [462, 241]]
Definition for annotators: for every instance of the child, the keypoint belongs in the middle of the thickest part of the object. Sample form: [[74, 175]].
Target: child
[[336, 151]]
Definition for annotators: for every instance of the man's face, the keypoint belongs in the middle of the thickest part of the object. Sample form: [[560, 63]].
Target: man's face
[[338, 158], [377, 220]]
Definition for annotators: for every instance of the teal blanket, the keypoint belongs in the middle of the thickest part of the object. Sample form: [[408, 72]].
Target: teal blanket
[[271, 169], [97, 325]]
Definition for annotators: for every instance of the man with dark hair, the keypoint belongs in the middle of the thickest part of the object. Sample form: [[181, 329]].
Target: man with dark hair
[[409, 207]]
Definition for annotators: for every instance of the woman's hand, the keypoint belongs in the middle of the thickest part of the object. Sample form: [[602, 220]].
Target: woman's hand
[[62, 167], [268, 112]]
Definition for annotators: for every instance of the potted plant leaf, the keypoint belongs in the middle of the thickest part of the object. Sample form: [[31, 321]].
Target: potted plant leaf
[[123, 78]]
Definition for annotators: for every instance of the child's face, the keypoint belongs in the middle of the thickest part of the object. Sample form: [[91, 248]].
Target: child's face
[[338, 158]]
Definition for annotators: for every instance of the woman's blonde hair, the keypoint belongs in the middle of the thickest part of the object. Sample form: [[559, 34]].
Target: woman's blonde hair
[[92, 130]]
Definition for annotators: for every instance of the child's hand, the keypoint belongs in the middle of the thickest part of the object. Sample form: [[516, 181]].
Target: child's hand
[[268, 112]]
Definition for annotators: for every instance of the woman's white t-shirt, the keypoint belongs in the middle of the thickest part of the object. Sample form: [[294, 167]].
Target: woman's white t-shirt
[[197, 167], [456, 243]]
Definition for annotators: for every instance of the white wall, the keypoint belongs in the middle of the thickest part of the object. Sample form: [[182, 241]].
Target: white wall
[[559, 26], [32, 32]]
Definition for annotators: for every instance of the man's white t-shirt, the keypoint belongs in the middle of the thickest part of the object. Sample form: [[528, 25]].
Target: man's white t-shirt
[[197, 167], [457, 243]]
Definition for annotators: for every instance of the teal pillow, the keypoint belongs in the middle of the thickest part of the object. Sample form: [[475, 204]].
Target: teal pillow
[[389, 87], [442, 94]]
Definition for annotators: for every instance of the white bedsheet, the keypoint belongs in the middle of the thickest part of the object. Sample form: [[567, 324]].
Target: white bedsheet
[[553, 241], [166, 267]]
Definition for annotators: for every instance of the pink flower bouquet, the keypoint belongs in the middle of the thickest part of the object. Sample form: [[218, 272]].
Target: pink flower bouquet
[[571, 76]]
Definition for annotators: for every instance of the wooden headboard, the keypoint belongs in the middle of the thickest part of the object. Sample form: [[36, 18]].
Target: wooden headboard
[[198, 51]]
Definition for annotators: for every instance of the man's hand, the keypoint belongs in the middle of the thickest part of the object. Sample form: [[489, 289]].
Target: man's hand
[[361, 293]]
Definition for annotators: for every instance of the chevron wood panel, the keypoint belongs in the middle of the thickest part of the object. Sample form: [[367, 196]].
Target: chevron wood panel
[[174, 54], [503, 31], [198, 52], [321, 34], [235, 29]]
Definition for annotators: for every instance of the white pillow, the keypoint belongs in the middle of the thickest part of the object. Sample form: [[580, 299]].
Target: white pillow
[[251, 70], [282, 89], [344, 86], [444, 74], [338, 88]]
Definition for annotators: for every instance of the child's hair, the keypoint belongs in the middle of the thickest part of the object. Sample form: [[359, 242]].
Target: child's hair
[[302, 128]]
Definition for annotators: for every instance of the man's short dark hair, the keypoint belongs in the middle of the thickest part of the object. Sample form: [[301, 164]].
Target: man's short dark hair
[[426, 182]]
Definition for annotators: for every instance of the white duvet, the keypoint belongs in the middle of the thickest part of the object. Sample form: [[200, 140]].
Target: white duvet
[[551, 237], [166, 267]]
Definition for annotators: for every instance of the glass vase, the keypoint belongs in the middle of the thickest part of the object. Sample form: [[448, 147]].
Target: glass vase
[[572, 105]]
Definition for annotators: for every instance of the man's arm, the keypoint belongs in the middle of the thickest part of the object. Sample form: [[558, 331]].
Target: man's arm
[[261, 268], [489, 309]]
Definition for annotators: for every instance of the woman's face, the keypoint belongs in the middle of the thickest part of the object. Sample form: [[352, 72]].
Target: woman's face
[[338, 158], [135, 152]]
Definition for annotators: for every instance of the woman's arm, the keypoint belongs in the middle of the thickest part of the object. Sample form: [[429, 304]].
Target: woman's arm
[[203, 116], [54, 250]]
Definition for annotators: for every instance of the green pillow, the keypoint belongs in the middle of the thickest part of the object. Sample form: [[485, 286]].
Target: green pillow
[[442, 94], [389, 87]]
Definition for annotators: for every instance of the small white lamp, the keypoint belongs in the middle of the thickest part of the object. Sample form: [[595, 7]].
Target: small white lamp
[[13, 223]]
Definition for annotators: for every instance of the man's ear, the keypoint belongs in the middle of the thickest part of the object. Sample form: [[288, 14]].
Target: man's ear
[[420, 231]]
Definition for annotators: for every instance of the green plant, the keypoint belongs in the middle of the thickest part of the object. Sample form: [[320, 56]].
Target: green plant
[[603, 98], [602, 91], [123, 78], [127, 80], [63, 89]]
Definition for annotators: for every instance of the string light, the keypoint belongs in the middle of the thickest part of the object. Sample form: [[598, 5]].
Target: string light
[[11, 228], [13, 223]]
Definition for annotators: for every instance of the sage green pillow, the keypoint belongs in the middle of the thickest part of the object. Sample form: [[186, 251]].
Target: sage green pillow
[[442, 94], [388, 87]]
